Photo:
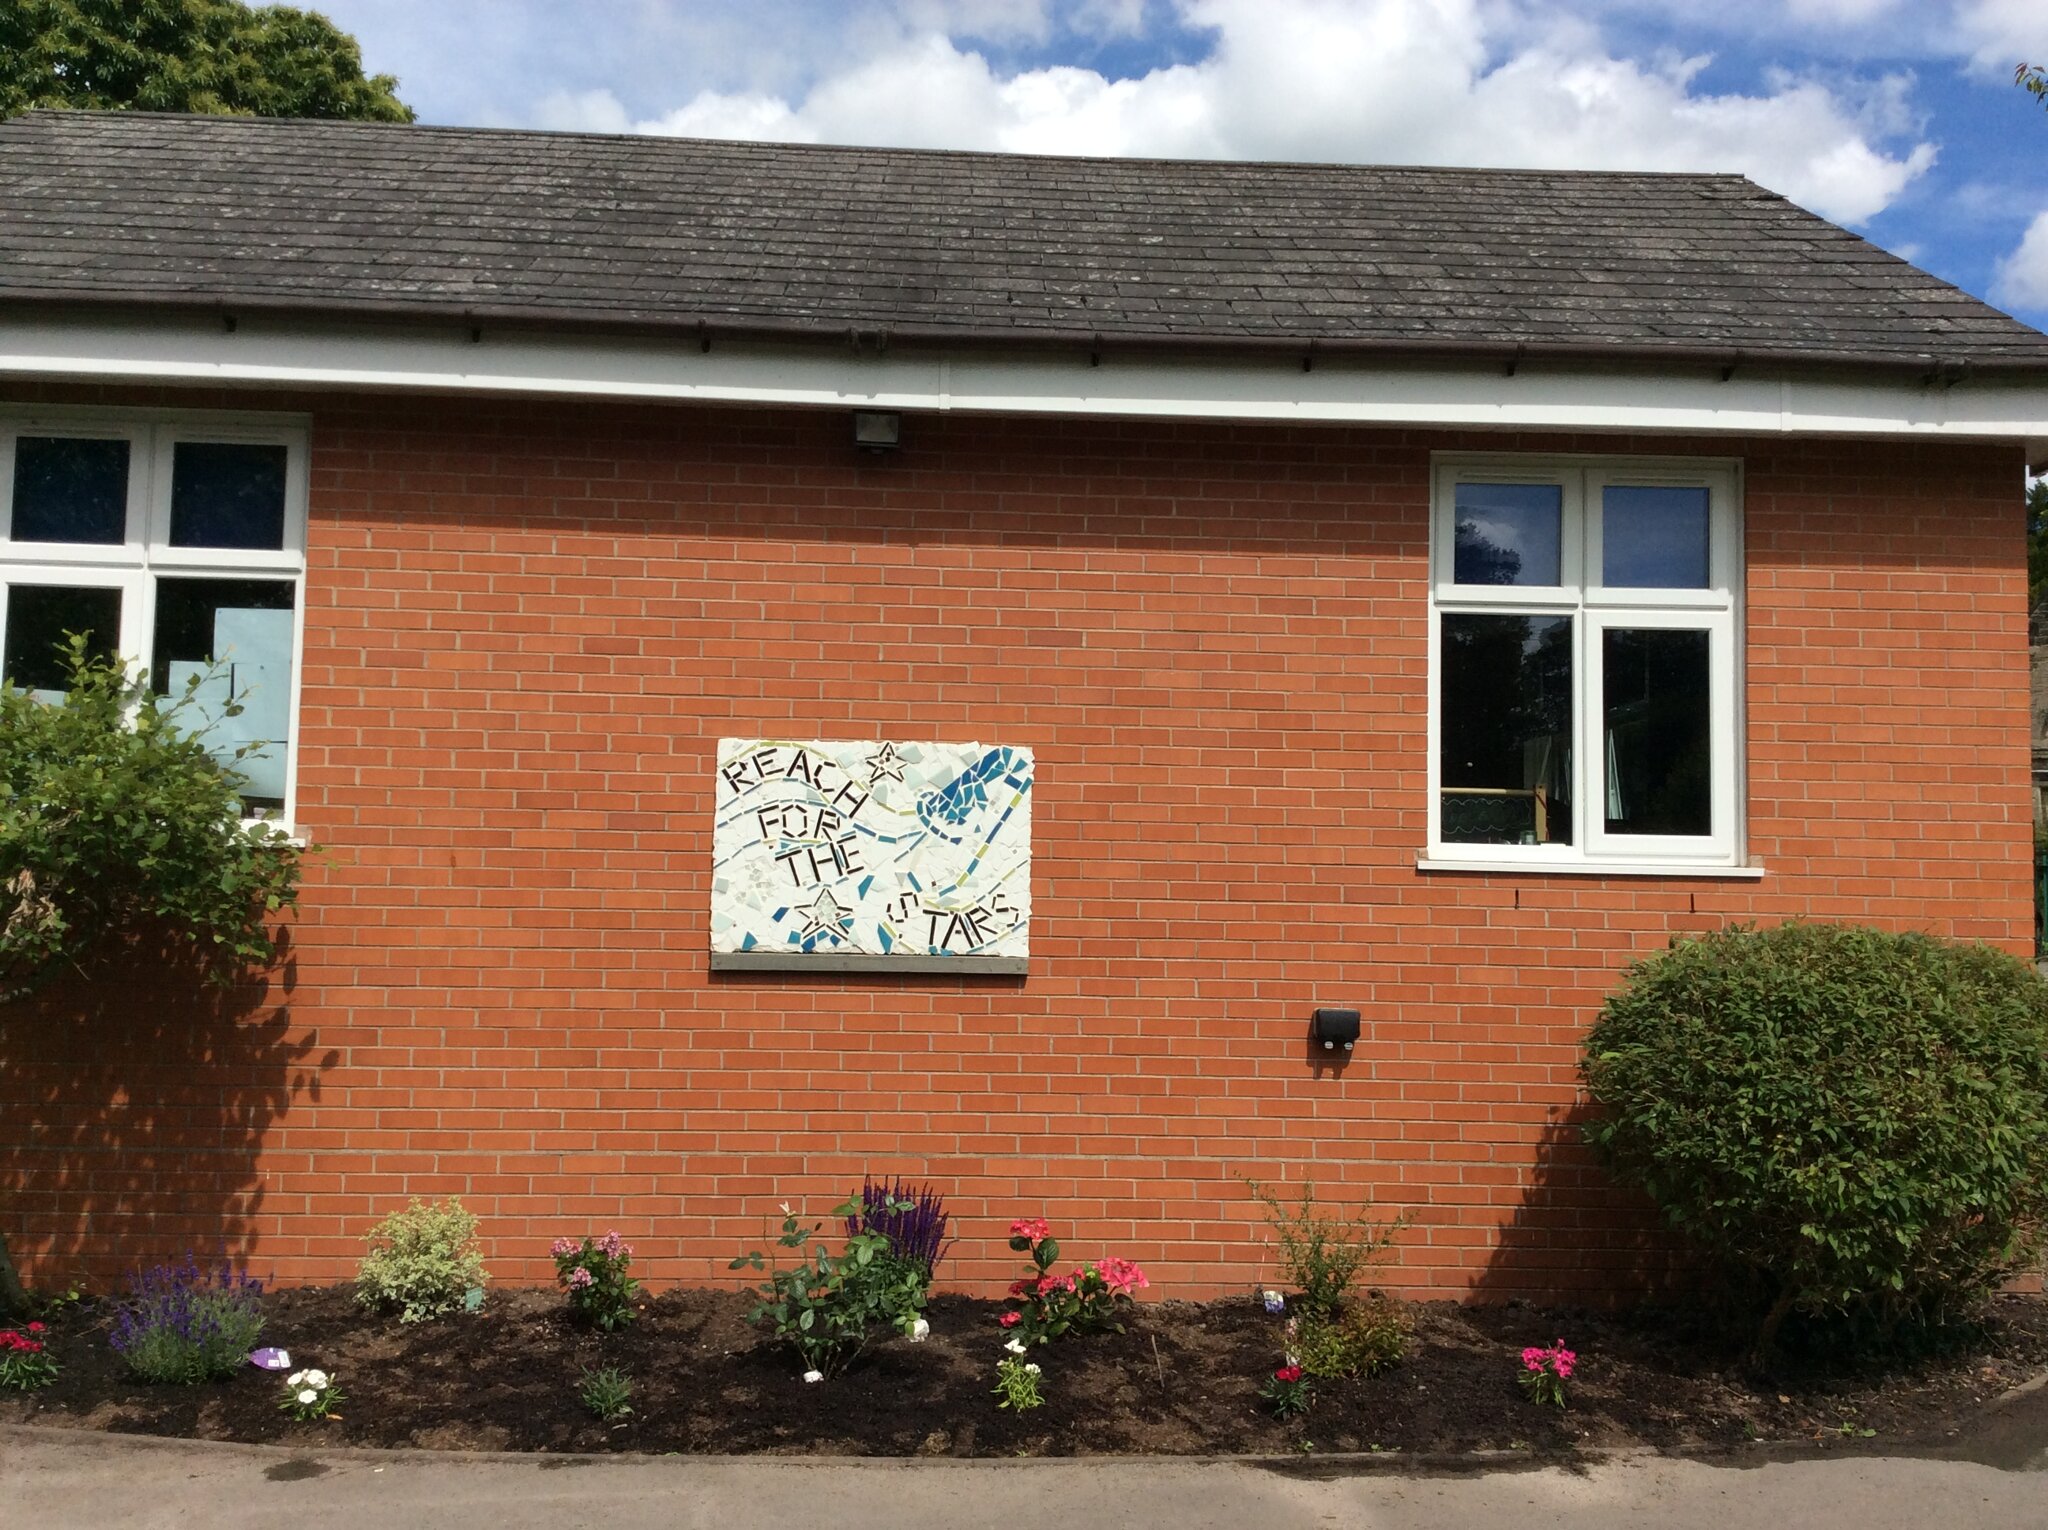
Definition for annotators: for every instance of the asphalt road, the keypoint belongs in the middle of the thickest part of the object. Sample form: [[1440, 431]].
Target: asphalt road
[[66, 1480]]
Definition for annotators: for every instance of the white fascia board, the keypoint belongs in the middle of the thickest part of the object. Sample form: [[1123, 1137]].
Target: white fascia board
[[269, 352]]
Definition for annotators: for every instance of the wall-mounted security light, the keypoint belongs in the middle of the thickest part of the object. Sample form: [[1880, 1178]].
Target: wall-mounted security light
[[1334, 1028], [877, 430]]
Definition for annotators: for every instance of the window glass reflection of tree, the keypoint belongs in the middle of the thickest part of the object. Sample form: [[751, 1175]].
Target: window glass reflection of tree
[[1505, 761]]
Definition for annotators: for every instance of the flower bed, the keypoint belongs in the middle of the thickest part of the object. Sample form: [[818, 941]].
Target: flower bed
[[1180, 1378]]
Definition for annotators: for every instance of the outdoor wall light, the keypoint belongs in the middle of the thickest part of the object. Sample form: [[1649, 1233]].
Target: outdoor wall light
[[877, 430], [1334, 1028]]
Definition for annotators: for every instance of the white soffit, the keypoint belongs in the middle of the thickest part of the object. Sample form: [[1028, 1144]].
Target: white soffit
[[438, 358]]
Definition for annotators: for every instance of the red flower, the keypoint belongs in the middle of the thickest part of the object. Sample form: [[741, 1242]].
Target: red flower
[[1020, 1287], [1010, 1319], [1288, 1373], [35, 1328], [1034, 1229]]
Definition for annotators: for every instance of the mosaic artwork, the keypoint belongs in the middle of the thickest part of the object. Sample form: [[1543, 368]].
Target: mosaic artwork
[[871, 853]]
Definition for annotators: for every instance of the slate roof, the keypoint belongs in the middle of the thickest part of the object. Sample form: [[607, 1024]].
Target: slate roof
[[596, 231]]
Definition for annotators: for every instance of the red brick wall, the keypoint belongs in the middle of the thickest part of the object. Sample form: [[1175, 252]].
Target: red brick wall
[[528, 624]]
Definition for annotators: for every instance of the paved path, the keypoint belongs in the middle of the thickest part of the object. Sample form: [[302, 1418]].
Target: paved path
[[54, 1479]]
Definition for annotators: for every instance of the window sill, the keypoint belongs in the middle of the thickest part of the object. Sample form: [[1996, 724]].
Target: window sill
[[1691, 869]]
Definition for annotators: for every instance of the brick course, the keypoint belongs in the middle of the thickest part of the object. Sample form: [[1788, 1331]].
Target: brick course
[[528, 624]]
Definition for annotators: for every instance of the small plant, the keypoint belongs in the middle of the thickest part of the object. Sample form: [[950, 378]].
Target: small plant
[[1017, 1381], [310, 1395], [606, 1393], [179, 1323], [593, 1272], [826, 1306], [1086, 1301], [25, 1362], [1545, 1371], [1367, 1337], [423, 1261], [1325, 1255], [1288, 1391], [916, 1232]]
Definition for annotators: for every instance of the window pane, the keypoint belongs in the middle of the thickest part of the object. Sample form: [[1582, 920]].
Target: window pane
[[1653, 538], [1509, 533], [1659, 766], [226, 494], [39, 616], [1506, 730], [70, 490], [235, 637]]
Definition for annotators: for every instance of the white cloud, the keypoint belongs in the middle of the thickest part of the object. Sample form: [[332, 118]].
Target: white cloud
[[2022, 280], [2002, 33], [1390, 81]]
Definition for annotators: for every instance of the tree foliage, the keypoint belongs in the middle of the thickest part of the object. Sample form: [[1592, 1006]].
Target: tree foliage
[[212, 56], [1850, 1122], [114, 816], [2033, 79]]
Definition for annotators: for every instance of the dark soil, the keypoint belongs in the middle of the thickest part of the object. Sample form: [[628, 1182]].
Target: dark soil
[[1182, 1379]]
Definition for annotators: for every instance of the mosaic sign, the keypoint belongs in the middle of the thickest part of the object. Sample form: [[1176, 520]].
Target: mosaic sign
[[871, 855]]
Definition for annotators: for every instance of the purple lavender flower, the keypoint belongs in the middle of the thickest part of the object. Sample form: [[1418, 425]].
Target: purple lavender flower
[[916, 1236], [181, 1323]]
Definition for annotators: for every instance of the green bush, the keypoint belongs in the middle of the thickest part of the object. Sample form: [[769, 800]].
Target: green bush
[[1367, 1337], [826, 1307], [423, 1261], [114, 816], [1850, 1122]]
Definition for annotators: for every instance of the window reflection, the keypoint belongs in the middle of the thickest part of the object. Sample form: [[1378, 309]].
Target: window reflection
[[1653, 538], [234, 636], [39, 619], [70, 489], [1505, 760], [227, 494], [1659, 731], [1508, 533]]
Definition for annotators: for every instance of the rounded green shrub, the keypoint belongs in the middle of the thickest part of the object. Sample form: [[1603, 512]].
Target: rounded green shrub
[[423, 1262], [1849, 1121]]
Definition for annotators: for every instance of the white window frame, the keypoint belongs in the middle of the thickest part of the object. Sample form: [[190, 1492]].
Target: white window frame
[[1593, 609], [136, 564]]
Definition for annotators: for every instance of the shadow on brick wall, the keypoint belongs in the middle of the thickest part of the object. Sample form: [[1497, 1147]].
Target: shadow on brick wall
[[1576, 1232], [137, 1098]]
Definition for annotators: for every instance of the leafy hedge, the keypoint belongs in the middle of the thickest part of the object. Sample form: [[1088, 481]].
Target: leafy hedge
[[1856, 1121], [114, 816]]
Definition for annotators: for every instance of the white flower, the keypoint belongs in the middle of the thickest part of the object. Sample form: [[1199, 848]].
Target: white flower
[[920, 1331], [1030, 1370], [814, 1375], [785, 1208], [309, 1396], [296, 1379], [1015, 1346], [316, 1379]]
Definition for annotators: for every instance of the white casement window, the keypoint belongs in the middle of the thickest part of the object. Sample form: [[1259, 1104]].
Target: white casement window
[[175, 540], [1585, 664]]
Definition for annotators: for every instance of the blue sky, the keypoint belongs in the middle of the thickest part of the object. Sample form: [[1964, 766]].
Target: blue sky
[[1898, 118]]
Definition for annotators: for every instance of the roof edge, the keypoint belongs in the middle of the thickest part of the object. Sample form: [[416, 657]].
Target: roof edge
[[1925, 367]]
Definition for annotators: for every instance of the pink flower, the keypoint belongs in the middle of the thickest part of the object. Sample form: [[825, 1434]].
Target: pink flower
[[563, 1246], [579, 1278], [612, 1246], [1010, 1319], [1121, 1276], [1034, 1229], [1047, 1284]]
